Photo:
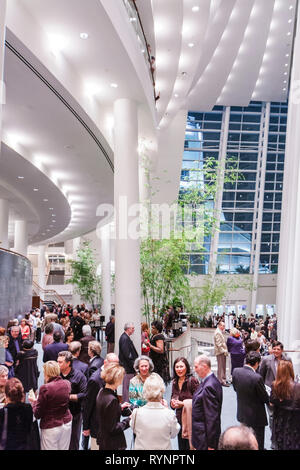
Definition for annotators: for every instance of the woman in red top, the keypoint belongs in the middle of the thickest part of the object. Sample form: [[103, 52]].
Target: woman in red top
[[52, 408], [25, 329]]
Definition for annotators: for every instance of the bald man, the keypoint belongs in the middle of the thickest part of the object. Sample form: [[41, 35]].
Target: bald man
[[95, 384], [238, 438]]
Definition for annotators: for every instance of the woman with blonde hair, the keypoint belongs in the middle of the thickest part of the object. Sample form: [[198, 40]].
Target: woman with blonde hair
[[111, 429], [145, 339], [52, 408], [285, 399]]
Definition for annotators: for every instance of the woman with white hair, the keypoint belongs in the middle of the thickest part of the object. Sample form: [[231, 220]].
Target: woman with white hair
[[143, 367], [235, 346], [154, 424]]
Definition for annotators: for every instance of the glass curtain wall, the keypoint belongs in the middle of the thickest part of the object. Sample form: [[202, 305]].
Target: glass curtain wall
[[203, 140]]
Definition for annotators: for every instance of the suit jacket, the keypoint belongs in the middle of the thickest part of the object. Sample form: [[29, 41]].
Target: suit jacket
[[220, 343], [251, 396], [12, 347], [90, 417], [110, 434], [84, 356], [27, 369], [94, 364], [206, 414], [79, 365], [267, 368], [127, 353], [51, 351], [110, 332]]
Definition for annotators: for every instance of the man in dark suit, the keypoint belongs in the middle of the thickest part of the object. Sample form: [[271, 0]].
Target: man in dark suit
[[251, 396], [127, 356], [76, 323], [95, 360], [206, 407], [110, 335], [51, 351], [15, 341]]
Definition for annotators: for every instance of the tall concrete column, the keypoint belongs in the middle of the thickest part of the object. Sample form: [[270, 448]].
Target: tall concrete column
[[260, 203], [105, 272], [21, 237], [219, 196], [288, 291], [4, 214], [126, 195], [3, 4], [76, 299], [42, 266]]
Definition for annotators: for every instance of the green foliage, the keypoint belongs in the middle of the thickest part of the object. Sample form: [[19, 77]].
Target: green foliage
[[84, 274], [201, 300]]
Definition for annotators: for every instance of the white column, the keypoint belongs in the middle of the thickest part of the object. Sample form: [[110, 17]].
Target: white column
[[21, 237], [126, 194], [76, 299], [42, 266], [4, 214], [219, 195], [105, 272], [3, 4], [260, 202], [288, 280]]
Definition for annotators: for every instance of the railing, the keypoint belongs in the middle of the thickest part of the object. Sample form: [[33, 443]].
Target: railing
[[136, 22], [41, 292]]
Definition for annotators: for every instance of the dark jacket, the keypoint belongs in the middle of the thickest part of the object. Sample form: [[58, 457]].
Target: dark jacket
[[267, 368], [27, 369], [78, 387], [235, 346], [76, 323], [127, 353], [19, 425], [189, 387], [111, 430], [206, 414], [83, 356], [90, 416], [12, 346], [251, 397], [110, 332], [51, 351], [52, 406], [79, 365], [95, 363]]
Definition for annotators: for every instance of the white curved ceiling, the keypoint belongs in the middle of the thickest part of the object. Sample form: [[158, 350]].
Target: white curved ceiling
[[61, 147], [225, 52]]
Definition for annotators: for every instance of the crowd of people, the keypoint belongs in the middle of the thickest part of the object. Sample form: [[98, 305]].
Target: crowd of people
[[88, 401]]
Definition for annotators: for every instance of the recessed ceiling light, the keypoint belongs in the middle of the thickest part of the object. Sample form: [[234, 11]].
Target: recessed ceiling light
[[53, 215], [35, 189], [286, 65], [45, 200], [132, 19], [290, 20], [114, 85], [176, 95], [195, 8], [20, 177], [285, 73], [287, 55], [51, 209], [285, 81], [84, 35], [191, 44], [289, 33], [53, 221], [291, 7], [284, 89]]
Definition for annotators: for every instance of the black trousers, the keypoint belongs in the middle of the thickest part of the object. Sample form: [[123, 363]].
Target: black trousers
[[183, 444], [260, 436], [76, 432]]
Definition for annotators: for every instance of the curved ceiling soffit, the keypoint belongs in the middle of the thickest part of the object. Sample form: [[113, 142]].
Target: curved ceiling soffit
[[10, 160], [67, 104]]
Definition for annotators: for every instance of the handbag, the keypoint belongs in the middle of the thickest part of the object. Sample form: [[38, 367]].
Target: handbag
[[4, 430]]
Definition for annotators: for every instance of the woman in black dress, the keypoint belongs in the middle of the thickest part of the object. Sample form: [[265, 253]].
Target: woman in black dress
[[285, 398], [158, 351]]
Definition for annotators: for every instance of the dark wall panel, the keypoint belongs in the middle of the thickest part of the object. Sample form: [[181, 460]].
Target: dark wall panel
[[15, 286]]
